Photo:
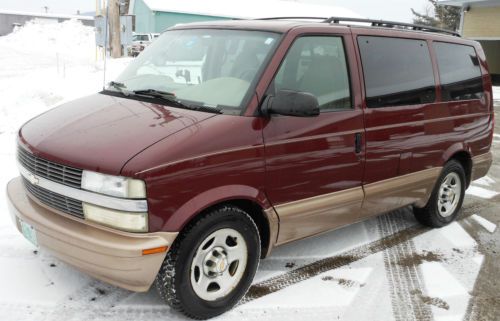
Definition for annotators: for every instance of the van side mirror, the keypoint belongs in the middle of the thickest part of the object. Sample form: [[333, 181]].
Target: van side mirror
[[291, 103]]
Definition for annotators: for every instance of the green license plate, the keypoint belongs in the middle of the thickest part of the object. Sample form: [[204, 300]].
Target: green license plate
[[29, 232]]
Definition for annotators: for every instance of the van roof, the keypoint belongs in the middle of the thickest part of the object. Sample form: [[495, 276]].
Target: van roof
[[283, 24]]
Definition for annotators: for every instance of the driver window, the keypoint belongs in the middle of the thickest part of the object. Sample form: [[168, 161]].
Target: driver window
[[317, 65]]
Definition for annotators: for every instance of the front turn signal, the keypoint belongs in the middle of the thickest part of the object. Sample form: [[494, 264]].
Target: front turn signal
[[155, 250]]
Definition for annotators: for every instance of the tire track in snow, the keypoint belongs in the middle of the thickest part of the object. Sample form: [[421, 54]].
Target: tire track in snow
[[404, 279], [306, 272]]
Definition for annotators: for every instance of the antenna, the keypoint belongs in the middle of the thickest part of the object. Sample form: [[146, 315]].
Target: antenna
[[105, 45]]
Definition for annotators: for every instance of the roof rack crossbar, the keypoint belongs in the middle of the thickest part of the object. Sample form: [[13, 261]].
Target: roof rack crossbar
[[391, 24]]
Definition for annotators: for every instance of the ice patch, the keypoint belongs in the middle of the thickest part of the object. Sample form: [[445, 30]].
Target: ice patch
[[489, 226], [456, 235], [478, 260], [485, 181], [481, 192]]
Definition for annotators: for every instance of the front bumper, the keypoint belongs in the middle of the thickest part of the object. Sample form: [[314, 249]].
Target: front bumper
[[109, 255]]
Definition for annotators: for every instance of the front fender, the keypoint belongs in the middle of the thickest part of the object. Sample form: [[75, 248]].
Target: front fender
[[211, 197]]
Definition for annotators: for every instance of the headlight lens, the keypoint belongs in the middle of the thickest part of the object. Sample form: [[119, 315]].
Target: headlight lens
[[125, 221], [118, 186]]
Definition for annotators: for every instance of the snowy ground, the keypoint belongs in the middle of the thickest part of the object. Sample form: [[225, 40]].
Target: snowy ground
[[387, 268]]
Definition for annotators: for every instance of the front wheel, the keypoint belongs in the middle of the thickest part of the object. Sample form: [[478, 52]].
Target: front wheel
[[212, 264], [446, 199]]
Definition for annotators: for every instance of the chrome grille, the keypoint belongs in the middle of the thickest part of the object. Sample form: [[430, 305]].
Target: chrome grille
[[58, 173], [62, 203]]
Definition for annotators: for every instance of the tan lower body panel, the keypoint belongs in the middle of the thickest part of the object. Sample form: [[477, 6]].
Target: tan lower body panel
[[318, 214], [112, 256], [400, 191], [326, 212], [481, 165], [274, 224]]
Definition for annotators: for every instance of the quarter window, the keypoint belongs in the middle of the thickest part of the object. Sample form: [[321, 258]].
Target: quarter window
[[459, 71], [396, 71], [317, 65]]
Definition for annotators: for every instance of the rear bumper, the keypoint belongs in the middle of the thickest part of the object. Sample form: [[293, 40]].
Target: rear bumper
[[481, 165], [109, 255]]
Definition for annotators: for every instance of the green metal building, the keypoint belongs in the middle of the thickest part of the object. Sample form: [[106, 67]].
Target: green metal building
[[158, 15], [153, 19]]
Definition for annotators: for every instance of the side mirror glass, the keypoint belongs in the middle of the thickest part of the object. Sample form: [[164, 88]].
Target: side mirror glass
[[291, 103]]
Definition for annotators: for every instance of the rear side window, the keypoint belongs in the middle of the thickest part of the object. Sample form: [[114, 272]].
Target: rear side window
[[459, 71], [397, 71]]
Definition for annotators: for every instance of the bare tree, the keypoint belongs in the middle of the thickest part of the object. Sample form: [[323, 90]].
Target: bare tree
[[436, 15]]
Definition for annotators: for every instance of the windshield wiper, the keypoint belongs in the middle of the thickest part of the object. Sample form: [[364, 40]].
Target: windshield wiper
[[117, 85], [154, 93], [171, 99]]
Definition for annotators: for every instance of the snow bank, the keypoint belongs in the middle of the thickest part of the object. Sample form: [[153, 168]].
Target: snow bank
[[42, 66], [70, 38], [49, 63]]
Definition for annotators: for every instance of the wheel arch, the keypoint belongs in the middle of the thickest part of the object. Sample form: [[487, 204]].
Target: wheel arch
[[248, 199], [463, 156]]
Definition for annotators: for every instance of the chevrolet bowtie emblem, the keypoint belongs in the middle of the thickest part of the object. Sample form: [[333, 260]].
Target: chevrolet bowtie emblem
[[33, 179]]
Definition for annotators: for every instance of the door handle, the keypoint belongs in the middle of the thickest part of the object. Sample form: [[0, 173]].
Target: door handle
[[357, 143]]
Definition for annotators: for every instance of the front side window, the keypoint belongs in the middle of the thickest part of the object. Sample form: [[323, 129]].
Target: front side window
[[397, 71], [202, 67], [317, 65], [459, 72]]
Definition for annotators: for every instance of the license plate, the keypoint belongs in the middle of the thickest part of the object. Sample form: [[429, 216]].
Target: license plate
[[29, 232]]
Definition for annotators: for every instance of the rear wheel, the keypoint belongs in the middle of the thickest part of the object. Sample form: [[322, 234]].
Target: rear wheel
[[446, 199], [211, 265]]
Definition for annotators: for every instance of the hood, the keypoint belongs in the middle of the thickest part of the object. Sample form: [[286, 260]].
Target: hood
[[102, 132]]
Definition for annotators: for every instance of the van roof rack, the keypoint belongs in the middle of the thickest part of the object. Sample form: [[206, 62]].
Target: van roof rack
[[374, 23], [392, 24]]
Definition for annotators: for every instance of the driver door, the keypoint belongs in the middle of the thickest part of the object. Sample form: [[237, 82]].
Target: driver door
[[314, 166]]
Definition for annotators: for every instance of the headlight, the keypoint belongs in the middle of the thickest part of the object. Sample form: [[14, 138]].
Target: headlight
[[118, 186], [125, 221]]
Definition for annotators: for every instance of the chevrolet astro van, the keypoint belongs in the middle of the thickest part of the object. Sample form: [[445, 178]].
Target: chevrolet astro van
[[225, 139]]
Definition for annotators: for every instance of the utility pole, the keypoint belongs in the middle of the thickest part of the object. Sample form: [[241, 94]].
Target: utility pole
[[114, 28]]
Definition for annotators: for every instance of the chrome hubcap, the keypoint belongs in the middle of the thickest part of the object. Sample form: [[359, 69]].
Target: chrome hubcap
[[219, 264], [449, 194]]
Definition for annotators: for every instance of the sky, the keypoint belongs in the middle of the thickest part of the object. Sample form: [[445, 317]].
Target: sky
[[398, 10]]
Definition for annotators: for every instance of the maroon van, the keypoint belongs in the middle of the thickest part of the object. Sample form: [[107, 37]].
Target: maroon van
[[223, 140]]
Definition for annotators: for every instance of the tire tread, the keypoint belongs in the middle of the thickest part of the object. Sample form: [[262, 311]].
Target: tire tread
[[165, 280]]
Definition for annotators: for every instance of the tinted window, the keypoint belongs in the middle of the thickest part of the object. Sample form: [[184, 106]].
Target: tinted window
[[397, 71], [317, 65], [459, 71]]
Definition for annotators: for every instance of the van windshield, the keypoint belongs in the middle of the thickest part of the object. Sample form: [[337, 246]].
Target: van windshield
[[206, 67]]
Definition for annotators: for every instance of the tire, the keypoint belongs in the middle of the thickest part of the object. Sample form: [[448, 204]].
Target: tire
[[182, 279], [438, 213]]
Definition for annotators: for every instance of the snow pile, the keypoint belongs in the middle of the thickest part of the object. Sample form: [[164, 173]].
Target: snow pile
[[50, 63], [42, 66], [70, 38]]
